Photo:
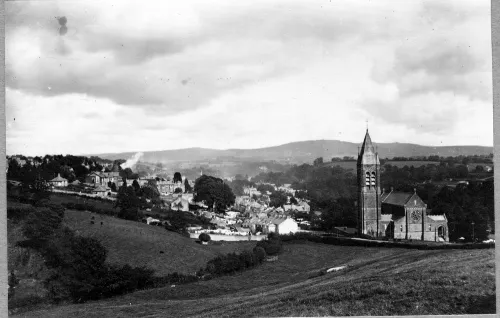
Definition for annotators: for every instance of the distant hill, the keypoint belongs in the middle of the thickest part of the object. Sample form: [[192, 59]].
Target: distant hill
[[300, 152]]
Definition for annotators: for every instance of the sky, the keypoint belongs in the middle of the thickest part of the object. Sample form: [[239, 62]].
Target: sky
[[114, 76]]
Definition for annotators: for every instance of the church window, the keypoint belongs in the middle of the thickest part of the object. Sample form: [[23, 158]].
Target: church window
[[368, 179], [373, 178], [430, 227], [401, 228], [385, 227]]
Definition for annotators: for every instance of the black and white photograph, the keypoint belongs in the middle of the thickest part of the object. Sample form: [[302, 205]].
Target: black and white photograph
[[279, 158]]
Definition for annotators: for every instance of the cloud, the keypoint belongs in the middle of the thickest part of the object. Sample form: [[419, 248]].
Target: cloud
[[146, 59], [192, 73]]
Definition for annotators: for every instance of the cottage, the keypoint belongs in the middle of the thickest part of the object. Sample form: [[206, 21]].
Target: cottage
[[58, 181], [101, 191]]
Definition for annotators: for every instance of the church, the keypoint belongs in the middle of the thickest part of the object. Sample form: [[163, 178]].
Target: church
[[392, 214]]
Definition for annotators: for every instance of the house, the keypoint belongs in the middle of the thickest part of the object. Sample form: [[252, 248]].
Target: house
[[58, 181], [103, 178], [285, 226], [301, 207], [250, 191], [101, 191], [232, 214]]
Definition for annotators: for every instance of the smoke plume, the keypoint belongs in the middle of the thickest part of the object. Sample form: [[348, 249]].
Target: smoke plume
[[132, 160]]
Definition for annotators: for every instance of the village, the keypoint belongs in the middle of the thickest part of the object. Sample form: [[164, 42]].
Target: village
[[250, 218]]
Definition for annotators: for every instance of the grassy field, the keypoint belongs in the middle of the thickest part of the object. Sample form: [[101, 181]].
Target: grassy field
[[140, 244], [102, 204], [377, 281]]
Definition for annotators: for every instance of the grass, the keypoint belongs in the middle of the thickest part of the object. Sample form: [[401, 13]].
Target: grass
[[139, 244], [101, 204], [377, 281]]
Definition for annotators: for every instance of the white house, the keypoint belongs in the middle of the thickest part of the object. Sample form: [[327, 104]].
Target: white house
[[286, 226]]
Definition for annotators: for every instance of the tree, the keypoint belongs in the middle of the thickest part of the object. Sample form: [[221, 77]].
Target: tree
[[278, 199], [214, 192], [177, 177], [204, 237], [263, 188], [293, 200], [187, 186], [178, 190], [318, 161], [136, 186], [150, 190], [128, 202], [260, 253]]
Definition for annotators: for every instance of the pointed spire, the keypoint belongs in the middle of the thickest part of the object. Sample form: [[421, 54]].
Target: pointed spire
[[367, 153]]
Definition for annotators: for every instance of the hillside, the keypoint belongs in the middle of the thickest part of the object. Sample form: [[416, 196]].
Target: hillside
[[378, 281], [300, 152], [139, 244]]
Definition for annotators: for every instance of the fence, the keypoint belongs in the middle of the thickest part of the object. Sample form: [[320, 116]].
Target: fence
[[231, 238], [87, 195]]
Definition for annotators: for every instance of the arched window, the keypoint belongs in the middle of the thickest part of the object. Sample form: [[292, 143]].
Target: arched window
[[373, 178], [367, 179], [430, 227], [401, 227]]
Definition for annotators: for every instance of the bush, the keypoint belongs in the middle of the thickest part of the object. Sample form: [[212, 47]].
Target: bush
[[273, 246], [19, 213], [132, 214], [41, 224], [58, 208], [260, 254], [204, 237]]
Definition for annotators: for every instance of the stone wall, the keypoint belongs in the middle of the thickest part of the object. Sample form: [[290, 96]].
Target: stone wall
[[231, 238]]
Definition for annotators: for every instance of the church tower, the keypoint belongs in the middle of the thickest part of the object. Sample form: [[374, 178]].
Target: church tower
[[369, 205]]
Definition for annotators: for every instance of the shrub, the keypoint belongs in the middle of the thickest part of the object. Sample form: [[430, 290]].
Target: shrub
[[19, 213], [58, 208], [204, 237], [41, 224], [273, 245], [260, 253]]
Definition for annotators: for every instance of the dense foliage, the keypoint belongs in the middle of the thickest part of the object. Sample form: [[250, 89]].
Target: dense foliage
[[214, 192], [47, 167]]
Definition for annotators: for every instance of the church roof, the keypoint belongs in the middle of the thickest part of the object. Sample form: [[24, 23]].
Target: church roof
[[367, 154], [396, 198], [437, 217]]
